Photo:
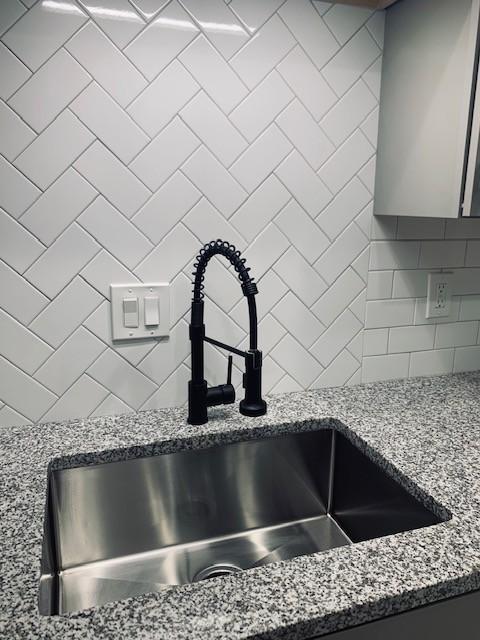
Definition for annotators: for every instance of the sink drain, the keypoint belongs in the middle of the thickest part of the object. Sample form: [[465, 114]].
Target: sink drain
[[215, 571]]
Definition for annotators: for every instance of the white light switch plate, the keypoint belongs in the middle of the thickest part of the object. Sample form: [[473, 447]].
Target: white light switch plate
[[439, 296], [121, 292]]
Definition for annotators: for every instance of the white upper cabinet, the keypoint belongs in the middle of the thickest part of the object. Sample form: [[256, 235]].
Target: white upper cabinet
[[429, 123]]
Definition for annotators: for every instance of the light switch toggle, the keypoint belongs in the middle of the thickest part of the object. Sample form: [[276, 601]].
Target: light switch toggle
[[130, 312], [151, 310]]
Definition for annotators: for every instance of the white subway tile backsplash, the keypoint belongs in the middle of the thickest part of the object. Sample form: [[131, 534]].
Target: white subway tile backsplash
[[420, 228], [442, 254], [343, 21], [375, 342], [14, 72], [291, 355], [349, 158], [385, 367], [394, 255], [340, 253], [82, 397], [472, 258], [457, 334], [17, 193], [253, 13], [54, 150], [103, 270], [411, 283], [20, 346], [389, 313], [16, 135], [27, 301], [380, 285], [18, 247], [300, 276], [305, 235], [344, 208], [303, 183], [11, 11], [338, 296], [406, 339], [23, 393], [336, 337], [428, 363], [42, 98], [467, 359], [470, 308]]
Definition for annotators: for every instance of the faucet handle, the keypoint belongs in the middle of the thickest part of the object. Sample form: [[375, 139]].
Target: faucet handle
[[229, 369]]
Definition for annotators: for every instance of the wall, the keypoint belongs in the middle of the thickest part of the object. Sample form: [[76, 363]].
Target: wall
[[129, 138], [399, 340]]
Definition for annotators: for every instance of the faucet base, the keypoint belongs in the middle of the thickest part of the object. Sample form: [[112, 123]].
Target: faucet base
[[253, 409]]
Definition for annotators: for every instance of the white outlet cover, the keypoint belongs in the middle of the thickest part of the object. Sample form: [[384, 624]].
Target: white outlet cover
[[439, 295], [119, 292]]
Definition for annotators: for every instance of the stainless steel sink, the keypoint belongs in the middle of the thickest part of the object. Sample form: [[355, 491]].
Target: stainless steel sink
[[121, 529]]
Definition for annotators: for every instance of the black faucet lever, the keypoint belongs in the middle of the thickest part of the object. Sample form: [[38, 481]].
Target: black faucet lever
[[200, 395]]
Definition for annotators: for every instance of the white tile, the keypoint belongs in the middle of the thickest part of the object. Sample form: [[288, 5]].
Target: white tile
[[272, 289], [54, 150], [360, 264], [389, 313], [302, 130], [11, 418], [14, 72], [117, 18], [261, 158], [114, 181], [351, 61], [263, 52], [64, 314], [69, 361], [367, 174], [309, 29], [18, 247], [385, 367], [149, 8], [472, 258], [379, 285], [58, 206], [111, 406], [300, 277], [105, 270], [27, 301], [336, 337], [344, 21], [43, 30], [114, 232], [372, 77], [364, 219], [21, 392], [19, 345], [307, 83], [164, 38], [172, 393], [261, 106], [349, 112], [16, 135], [358, 306], [177, 249], [219, 24], [466, 281], [302, 231], [346, 161], [394, 255], [462, 228], [180, 296], [213, 128], [253, 13], [376, 26], [167, 207], [17, 193], [62, 261], [383, 228], [212, 179], [260, 208], [110, 68], [43, 97], [470, 308], [438, 254], [270, 332], [222, 285], [405, 339], [11, 11], [265, 250], [212, 72], [420, 228], [429, 363], [286, 385], [126, 382], [338, 296], [298, 319], [370, 127], [271, 374], [165, 153], [467, 359], [102, 115], [338, 372], [163, 98], [343, 208], [456, 334], [222, 326], [375, 342], [78, 402], [292, 357], [421, 310], [303, 183], [206, 223]]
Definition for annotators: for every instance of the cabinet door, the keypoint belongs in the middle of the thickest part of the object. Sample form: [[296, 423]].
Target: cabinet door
[[427, 78]]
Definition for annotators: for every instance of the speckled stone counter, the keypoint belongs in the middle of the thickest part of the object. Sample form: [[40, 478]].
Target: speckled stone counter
[[424, 431]]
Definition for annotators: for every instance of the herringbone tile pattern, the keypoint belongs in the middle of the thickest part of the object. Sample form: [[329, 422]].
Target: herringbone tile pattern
[[135, 131]]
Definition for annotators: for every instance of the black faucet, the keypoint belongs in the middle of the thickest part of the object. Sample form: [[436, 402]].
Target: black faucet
[[200, 396]]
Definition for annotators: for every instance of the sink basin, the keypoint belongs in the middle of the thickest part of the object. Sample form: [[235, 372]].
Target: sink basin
[[122, 529]]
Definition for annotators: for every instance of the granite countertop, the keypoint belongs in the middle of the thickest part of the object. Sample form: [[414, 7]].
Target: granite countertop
[[426, 431]]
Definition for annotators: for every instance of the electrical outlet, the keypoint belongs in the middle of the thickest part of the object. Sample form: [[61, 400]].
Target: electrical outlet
[[439, 296]]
